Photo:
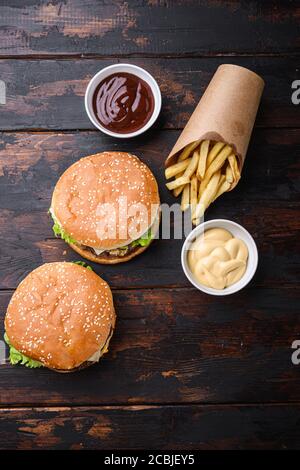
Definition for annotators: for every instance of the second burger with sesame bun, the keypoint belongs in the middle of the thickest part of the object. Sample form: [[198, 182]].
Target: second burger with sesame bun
[[106, 207], [61, 317]]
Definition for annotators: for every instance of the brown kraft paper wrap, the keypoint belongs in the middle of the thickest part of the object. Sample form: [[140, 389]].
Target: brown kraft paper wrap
[[225, 113]]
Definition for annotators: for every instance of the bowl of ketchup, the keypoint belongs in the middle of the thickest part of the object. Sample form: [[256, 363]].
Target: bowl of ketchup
[[123, 100]]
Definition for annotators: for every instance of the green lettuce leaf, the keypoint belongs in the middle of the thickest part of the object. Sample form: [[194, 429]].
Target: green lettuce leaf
[[83, 264], [144, 240], [59, 231], [16, 357]]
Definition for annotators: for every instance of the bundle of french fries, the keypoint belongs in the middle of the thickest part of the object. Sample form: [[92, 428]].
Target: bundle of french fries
[[204, 170]]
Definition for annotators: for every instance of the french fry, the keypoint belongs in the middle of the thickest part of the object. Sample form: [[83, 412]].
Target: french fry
[[231, 161], [234, 167], [202, 159], [214, 152], [215, 165], [190, 170], [193, 194], [207, 195], [211, 189], [185, 198], [187, 151], [177, 168], [223, 187], [221, 180], [178, 182], [195, 221], [229, 174], [178, 190]]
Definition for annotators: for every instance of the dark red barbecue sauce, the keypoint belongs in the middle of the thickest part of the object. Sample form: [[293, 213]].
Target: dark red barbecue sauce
[[123, 103]]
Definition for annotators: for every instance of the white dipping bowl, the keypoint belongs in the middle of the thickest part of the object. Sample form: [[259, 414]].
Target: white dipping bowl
[[125, 68], [237, 231]]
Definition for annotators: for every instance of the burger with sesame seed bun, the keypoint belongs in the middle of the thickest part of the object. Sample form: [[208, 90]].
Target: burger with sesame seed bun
[[106, 207], [61, 317]]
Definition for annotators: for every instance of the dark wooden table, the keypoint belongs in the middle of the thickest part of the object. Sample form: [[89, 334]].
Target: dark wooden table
[[185, 370]]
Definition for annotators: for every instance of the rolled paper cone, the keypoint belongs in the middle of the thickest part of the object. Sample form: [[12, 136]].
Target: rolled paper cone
[[225, 113]]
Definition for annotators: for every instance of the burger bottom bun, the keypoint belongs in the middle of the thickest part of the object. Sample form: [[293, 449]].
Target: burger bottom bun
[[82, 366], [86, 253]]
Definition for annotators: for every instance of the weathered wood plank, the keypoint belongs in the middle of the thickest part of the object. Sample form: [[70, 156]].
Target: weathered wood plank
[[139, 427], [153, 27], [50, 94], [265, 202], [177, 346]]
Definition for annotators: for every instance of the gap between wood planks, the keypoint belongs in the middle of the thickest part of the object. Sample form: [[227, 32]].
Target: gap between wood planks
[[165, 287], [42, 130], [142, 406], [145, 55]]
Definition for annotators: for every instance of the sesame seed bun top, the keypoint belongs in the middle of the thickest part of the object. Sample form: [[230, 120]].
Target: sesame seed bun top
[[61, 314], [104, 178]]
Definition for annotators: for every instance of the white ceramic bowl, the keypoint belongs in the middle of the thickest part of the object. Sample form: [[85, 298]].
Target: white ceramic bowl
[[237, 231], [125, 68]]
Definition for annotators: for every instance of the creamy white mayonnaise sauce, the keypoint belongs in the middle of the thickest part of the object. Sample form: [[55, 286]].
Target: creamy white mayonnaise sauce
[[217, 259]]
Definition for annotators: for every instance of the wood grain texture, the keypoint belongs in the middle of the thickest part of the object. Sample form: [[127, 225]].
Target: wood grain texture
[[44, 94], [178, 346], [265, 202], [185, 27], [188, 427]]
